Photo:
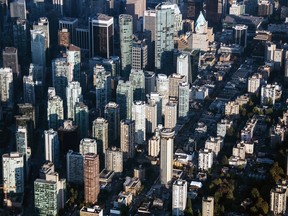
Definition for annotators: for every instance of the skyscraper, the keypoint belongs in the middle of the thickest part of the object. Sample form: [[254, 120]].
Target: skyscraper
[[137, 79], [88, 145], [13, 173], [74, 60], [126, 38], [162, 84], [91, 178], [68, 137], [166, 155], [174, 80], [138, 115], [151, 117], [170, 115], [127, 138], [52, 147], [18, 9], [183, 100], [100, 133], [114, 160], [139, 54], [43, 25], [73, 95], [7, 87], [112, 114], [240, 35], [38, 47], [55, 112], [29, 90], [150, 82], [136, 9], [75, 171], [124, 97], [101, 35], [184, 67], [155, 98], [149, 26], [82, 119], [60, 76], [10, 59], [71, 24], [214, 9], [208, 206], [179, 197]]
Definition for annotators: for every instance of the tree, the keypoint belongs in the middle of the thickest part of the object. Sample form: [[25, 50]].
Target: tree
[[188, 211], [224, 160], [276, 172], [255, 193]]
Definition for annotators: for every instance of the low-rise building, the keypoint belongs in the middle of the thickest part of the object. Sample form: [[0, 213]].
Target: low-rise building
[[132, 185], [215, 144]]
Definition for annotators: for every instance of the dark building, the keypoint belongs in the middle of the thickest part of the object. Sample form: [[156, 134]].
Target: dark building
[[68, 137], [10, 59], [28, 110], [192, 8], [214, 10]]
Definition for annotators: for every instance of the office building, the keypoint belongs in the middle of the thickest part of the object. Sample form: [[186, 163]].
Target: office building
[[138, 115], [208, 206], [10, 59], [136, 9], [73, 95], [112, 114], [126, 38], [114, 160], [43, 25], [52, 147], [70, 24], [166, 22], [139, 54], [38, 47], [29, 90], [174, 81], [21, 137], [192, 9], [55, 112], [240, 35], [170, 115], [179, 197], [60, 76], [184, 67], [82, 119], [58, 6], [205, 159], [7, 87], [91, 178], [102, 83], [88, 145], [18, 9], [13, 173], [74, 61], [82, 39], [269, 93], [75, 170], [215, 144], [29, 111], [100, 133], [214, 11], [27, 122], [286, 66], [156, 98], [154, 146], [20, 39], [237, 9], [101, 36], [166, 155], [265, 8], [151, 117], [183, 100], [137, 79], [127, 138], [150, 82], [68, 137], [64, 38], [95, 211], [254, 83], [162, 84], [124, 97], [37, 72]]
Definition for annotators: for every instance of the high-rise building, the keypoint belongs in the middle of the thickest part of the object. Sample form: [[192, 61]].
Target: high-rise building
[[58, 6], [82, 119], [88, 145], [55, 112], [179, 197], [192, 9], [136, 9], [127, 138], [184, 67], [20, 39], [95, 211], [183, 100], [114, 160], [18, 9], [101, 36], [166, 155], [126, 38], [170, 115], [75, 171], [49, 191], [254, 83], [60, 76], [162, 84], [286, 66], [139, 54], [52, 147], [73, 95], [174, 80], [214, 9], [91, 178], [278, 200], [74, 60], [168, 17], [38, 47], [100, 133], [29, 90], [237, 8], [265, 8], [68, 137], [152, 98], [10, 59], [124, 97], [205, 159], [151, 117], [112, 114], [240, 35], [208, 206], [138, 115], [150, 82], [82, 39], [149, 27], [71, 24], [154, 146], [137, 79], [27, 122], [64, 38], [13, 173], [37, 72], [43, 25], [102, 82], [7, 87]]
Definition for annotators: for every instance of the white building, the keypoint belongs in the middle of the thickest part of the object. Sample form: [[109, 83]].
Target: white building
[[222, 127], [38, 47], [208, 206], [278, 200], [179, 197], [52, 148], [170, 115], [29, 89], [151, 117], [88, 145], [199, 92], [232, 108], [254, 83], [205, 159], [114, 160], [162, 84], [60, 76], [183, 99], [75, 170], [55, 112], [270, 93], [138, 115], [100, 133], [7, 87], [237, 9], [73, 95], [215, 144], [154, 146]]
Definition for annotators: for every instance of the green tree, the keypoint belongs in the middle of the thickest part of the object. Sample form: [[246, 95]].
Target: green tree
[[224, 160], [188, 211], [255, 193], [276, 172]]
